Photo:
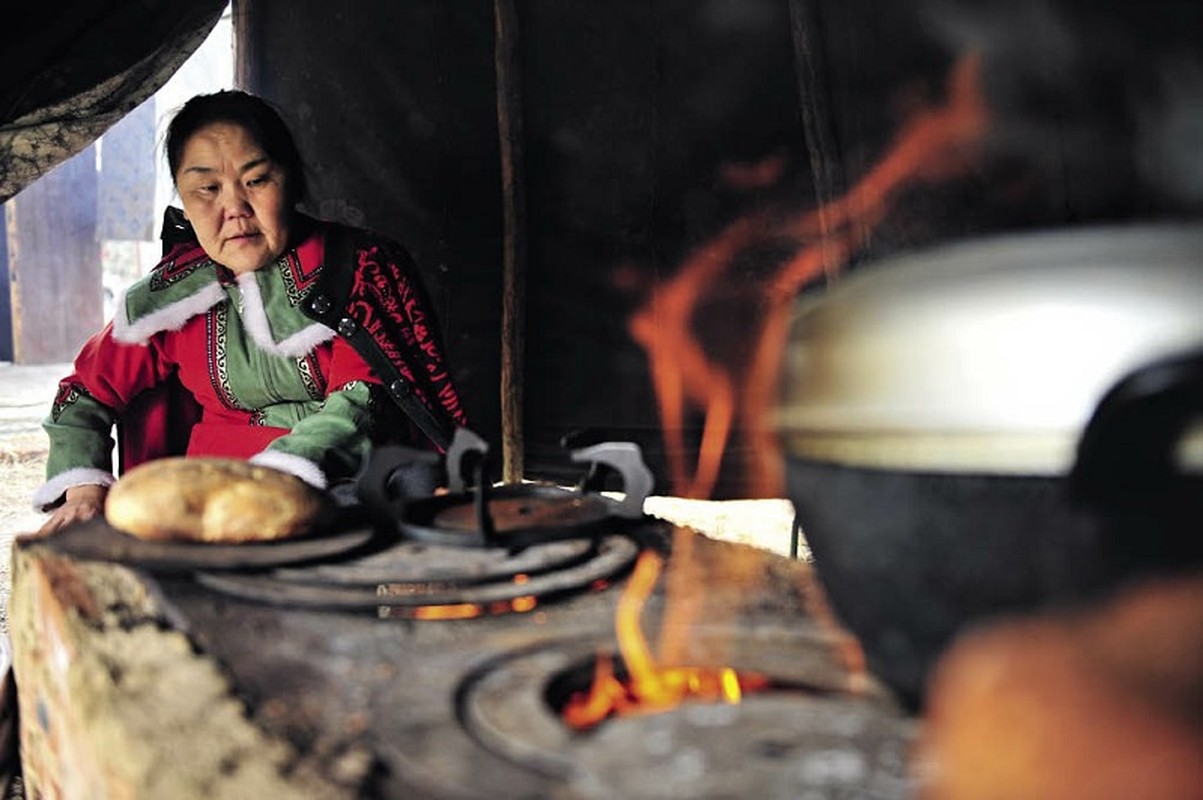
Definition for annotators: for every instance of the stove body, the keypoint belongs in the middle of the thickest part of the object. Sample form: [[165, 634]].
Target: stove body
[[451, 708]]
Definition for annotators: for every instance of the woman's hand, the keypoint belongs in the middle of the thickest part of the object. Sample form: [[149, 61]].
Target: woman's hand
[[82, 503]]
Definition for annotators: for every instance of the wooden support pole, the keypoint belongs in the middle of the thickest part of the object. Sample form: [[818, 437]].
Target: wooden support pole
[[513, 288], [813, 95], [245, 75]]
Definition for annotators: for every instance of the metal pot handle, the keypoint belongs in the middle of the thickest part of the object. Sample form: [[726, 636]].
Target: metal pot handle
[[1126, 458]]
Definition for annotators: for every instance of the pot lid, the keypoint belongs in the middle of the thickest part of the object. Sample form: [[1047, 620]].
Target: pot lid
[[988, 355]]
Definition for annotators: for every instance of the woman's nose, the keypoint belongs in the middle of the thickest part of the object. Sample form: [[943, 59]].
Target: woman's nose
[[236, 204]]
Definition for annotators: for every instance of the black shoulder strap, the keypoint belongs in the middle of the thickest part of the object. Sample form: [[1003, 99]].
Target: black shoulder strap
[[327, 304]]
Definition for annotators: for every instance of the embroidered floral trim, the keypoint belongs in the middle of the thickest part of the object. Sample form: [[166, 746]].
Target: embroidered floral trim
[[296, 283], [311, 376], [67, 395], [175, 271], [289, 266], [215, 346]]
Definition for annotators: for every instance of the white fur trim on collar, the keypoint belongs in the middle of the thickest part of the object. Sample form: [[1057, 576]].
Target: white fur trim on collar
[[169, 318], [255, 318], [50, 493], [303, 468]]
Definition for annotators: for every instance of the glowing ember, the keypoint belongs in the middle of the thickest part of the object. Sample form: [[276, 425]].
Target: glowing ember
[[934, 145], [519, 605], [651, 687], [523, 604], [456, 611]]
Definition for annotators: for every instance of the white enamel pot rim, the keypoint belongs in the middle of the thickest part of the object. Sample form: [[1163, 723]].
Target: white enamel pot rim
[[989, 355]]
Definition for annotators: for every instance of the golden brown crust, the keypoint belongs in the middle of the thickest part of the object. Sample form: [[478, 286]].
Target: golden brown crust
[[212, 500]]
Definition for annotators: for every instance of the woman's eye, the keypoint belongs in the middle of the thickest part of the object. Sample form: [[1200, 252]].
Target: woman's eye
[[259, 181]]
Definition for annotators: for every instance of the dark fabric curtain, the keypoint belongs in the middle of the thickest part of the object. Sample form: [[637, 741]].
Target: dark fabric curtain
[[71, 69]]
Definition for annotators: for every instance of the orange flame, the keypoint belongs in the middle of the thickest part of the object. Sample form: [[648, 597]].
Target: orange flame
[[651, 687], [935, 144]]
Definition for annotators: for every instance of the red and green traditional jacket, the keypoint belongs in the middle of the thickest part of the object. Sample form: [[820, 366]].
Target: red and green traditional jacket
[[302, 365]]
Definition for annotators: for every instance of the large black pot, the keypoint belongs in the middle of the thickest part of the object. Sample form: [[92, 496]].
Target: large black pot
[[945, 473]]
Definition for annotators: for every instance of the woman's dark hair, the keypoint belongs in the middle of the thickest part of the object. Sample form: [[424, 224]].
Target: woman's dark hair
[[255, 115]]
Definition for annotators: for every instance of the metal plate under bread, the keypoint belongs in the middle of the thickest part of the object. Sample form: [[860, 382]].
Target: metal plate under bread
[[96, 540]]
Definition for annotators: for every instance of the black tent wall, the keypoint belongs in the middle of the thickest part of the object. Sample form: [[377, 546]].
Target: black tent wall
[[631, 111]]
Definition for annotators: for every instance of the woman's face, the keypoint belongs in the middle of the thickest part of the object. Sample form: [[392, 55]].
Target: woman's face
[[234, 196]]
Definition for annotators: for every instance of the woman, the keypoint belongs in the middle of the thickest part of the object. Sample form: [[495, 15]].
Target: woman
[[298, 344]]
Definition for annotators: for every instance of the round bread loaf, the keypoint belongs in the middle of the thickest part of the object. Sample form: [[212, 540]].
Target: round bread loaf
[[212, 500]]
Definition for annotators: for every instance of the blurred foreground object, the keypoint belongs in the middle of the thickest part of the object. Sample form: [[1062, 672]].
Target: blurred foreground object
[[1106, 703]]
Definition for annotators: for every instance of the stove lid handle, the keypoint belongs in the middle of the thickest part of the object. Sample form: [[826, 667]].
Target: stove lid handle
[[466, 456], [467, 464], [627, 459]]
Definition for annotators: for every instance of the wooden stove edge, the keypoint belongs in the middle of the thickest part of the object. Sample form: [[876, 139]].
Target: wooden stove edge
[[91, 648]]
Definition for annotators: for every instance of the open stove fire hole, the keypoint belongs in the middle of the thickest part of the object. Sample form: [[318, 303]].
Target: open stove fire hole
[[803, 731], [575, 681], [570, 692]]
